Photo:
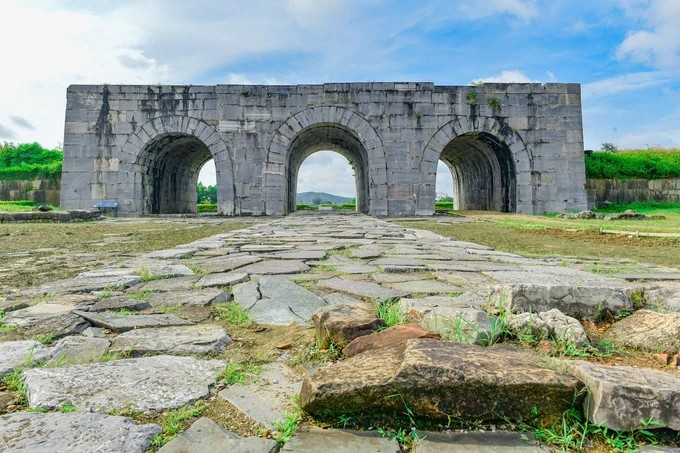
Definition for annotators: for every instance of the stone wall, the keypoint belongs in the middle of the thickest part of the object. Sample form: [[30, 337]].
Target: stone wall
[[514, 147], [39, 190], [602, 191]]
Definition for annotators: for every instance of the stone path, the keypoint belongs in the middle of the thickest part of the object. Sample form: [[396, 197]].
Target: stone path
[[284, 271]]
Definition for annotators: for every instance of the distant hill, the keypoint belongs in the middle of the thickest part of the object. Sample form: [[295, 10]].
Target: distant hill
[[308, 198]]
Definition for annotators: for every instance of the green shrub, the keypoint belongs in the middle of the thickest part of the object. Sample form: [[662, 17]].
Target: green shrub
[[638, 164], [207, 207], [29, 161], [443, 206], [305, 207]]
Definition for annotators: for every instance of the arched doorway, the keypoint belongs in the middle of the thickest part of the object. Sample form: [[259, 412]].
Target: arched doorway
[[171, 163], [327, 137], [326, 177], [483, 172]]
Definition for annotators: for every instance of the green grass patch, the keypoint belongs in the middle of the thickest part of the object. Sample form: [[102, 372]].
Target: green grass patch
[[206, 207], [642, 207], [21, 206], [633, 164], [239, 373], [177, 421], [443, 206], [233, 313], [390, 311], [286, 428]]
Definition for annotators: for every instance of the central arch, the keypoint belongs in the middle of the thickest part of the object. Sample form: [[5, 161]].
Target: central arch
[[327, 137], [325, 128]]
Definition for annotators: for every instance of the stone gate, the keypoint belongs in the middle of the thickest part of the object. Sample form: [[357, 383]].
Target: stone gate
[[510, 147]]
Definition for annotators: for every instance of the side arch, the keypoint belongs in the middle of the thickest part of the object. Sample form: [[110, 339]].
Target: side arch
[[501, 139], [321, 121], [135, 176]]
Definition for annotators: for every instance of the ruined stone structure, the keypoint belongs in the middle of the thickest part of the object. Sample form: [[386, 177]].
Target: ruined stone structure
[[510, 147]]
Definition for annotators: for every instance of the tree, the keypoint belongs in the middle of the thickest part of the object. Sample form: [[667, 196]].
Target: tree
[[317, 200], [207, 194]]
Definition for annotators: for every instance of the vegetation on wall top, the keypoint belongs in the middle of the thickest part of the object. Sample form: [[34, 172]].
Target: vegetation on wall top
[[634, 164], [28, 161]]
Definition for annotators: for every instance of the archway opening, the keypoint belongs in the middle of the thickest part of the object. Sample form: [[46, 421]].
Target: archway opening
[[207, 188], [326, 177], [327, 137], [482, 171], [444, 194], [170, 167]]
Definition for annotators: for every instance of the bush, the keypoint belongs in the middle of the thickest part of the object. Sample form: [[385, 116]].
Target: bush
[[305, 207], [207, 207], [443, 206], [633, 165], [29, 161]]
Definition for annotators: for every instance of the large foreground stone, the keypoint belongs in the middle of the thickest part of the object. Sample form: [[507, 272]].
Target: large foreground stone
[[205, 436], [647, 330], [624, 398], [199, 339], [575, 301], [75, 432], [15, 354], [147, 384], [123, 323], [341, 323], [314, 440], [437, 379]]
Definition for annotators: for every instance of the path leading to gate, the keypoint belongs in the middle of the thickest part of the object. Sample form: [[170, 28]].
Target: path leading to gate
[[144, 338]]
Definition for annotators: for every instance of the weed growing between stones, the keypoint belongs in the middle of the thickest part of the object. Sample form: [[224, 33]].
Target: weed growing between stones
[[67, 408], [15, 383], [140, 294], [239, 373], [165, 309], [233, 313], [286, 428], [314, 354], [46, 338], [196, 269], [390, 311], [177, 421], [5, 327]]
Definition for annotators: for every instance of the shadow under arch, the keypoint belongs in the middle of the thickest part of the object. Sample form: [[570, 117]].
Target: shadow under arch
[[490, 163], [163, 157]]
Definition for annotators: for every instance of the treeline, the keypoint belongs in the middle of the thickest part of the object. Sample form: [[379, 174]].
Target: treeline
[[634, 164], [29, 161]]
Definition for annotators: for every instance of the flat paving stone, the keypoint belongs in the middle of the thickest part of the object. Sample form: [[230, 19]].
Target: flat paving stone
[[123, 323], [174, 253], [356, 268], [298, 255], [192, 298], [361, 288], [147, 384], [271, 267], [222, 279], [168, 284], [199, 339], [265, 248], [477, 442], [341, 299], [119, 303], [276, 300], [226, 263], [267, 400], [87, 285], [425, 287], [80, 432], [14, 354], [79, 349], [314, 440], [205, 435], [659, 276]]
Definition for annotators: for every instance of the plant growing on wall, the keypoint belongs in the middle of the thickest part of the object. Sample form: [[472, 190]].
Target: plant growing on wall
[[471, 97], [493, 102]]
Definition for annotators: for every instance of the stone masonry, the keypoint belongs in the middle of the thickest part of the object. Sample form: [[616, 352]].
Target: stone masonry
[[510, 147]]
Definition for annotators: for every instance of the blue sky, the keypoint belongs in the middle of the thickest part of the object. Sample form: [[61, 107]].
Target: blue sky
[[625, 53]]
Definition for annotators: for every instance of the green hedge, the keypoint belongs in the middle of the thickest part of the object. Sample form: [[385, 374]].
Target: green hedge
[[29, 161], [207, 207], [633, 165], [443, 205]]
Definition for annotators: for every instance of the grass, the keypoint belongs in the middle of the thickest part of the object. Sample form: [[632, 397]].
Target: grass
[[21, 206], [233, 313], [286, 428], [390, 311], [541, 236], [4, 327], [633, 164], [239, 373], [177, 421]]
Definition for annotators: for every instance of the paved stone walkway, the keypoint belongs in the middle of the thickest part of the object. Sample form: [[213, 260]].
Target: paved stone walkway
[[282, 272]]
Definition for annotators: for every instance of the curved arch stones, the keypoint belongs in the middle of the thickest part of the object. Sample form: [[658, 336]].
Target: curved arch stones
[[278, 163], [400, 128]]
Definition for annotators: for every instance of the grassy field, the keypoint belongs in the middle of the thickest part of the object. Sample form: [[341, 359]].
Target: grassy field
[[543, 236], [35, 253], [20, 206]]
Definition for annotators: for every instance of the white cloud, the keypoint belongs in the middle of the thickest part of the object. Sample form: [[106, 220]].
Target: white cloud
[[510, 76], [525, 10], [626, 82], [658, 44], [326, 171]]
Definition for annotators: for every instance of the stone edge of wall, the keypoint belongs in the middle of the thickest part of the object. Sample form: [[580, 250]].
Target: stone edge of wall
[[601, 192], [52, 216]]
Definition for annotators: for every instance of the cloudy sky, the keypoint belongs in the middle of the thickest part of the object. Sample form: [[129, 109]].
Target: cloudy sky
[[625, 53]]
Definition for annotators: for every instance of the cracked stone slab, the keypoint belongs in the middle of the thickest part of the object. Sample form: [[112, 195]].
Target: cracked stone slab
[[79, 349], [222, 279], [168, 284], [477, 442], [425, 286], [624, 398], [267, 400], [272, 267], [80, 432], [356, 268], [361, 288], [146, 384], [197, 297], [173, 253], [277, 300], [119, 303], [647, 330], [205, 435], [199, 339], [226, 263], [86, 284], [123, 323], [298, 255], [15, 354], [55, 319]]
